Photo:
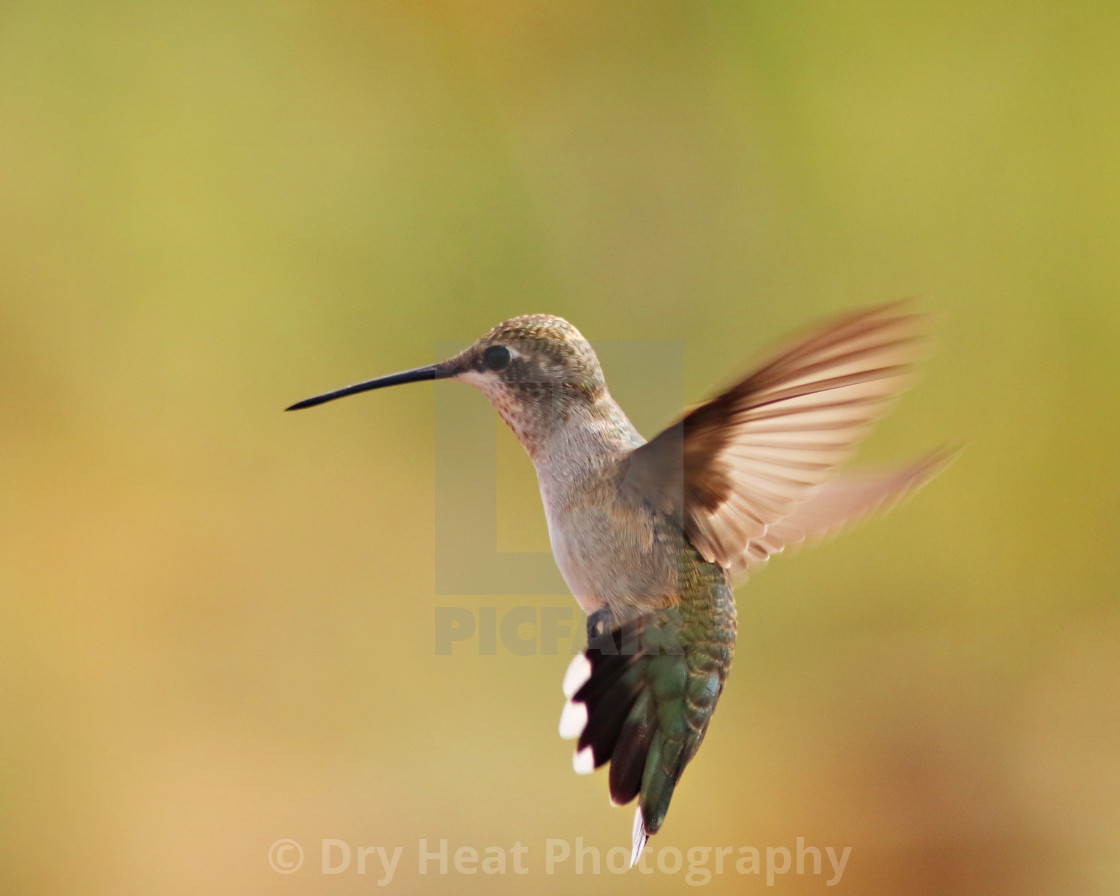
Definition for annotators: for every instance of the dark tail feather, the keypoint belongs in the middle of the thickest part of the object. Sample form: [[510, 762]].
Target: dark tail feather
[[629, 758], [622, 692]]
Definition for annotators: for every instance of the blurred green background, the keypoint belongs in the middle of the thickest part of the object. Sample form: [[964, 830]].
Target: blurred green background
[[217, 625]]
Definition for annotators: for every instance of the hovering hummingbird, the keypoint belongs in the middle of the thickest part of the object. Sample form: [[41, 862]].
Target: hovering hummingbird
[[650, 536]]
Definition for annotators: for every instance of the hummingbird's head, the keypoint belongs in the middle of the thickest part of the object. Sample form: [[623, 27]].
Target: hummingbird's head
[[532, 359], [534, 369]]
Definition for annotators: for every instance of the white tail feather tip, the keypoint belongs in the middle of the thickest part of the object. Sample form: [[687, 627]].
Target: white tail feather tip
[[584, 761], [572, 720], [579, 670], [640, 837]]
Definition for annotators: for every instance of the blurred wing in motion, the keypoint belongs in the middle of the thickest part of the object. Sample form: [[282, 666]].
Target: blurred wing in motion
[[837, 505], [758, 454]]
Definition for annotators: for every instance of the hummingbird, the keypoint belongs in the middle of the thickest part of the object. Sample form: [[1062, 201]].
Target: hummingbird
[[650, 537]]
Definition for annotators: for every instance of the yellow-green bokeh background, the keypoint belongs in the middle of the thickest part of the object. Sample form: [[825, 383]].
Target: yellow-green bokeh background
[[217, 618]]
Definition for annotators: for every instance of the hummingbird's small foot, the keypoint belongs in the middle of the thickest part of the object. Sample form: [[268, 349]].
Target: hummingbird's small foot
[[597, 624]]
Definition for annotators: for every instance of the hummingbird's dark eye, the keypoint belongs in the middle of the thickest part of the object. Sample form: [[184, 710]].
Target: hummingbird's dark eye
[[496, 357]]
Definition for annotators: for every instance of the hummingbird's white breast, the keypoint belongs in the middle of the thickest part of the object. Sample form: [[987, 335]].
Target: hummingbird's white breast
[[611, 550]]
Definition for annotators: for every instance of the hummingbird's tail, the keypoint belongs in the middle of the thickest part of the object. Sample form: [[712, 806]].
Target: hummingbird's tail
[[641, 697]]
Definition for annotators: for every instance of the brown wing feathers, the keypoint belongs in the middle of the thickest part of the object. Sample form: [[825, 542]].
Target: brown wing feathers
[[743, 461]]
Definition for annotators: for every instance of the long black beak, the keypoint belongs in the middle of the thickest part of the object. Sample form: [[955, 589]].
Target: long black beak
[[441, 371]]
